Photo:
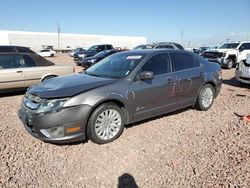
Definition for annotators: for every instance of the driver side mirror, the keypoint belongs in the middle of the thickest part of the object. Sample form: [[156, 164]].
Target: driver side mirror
[[241, 48], [145, 75]]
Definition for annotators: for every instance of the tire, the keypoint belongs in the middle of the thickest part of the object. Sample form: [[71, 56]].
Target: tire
[[205, 98], [99, 129], [230, 63], [48, 77], [52, 55]]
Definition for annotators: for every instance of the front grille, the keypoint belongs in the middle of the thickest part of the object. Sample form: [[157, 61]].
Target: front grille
[[212, 55]]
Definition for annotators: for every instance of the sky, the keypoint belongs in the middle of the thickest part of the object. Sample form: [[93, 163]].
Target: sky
[[184, 21]]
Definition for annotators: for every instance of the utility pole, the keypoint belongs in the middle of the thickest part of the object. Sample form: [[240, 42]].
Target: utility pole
[[58, 35]]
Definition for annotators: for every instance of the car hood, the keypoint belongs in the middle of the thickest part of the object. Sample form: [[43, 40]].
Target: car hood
[[223, 50], [68, 86]]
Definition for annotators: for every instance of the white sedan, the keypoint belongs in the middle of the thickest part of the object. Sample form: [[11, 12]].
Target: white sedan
[[47, 53]]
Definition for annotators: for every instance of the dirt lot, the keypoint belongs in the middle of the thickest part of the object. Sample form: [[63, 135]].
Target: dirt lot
[[187, 148]]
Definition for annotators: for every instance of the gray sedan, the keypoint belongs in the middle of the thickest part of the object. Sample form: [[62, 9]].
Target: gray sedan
[[121, 89]]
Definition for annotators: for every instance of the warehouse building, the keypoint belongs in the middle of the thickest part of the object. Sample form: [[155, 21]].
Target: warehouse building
[[40, 40]]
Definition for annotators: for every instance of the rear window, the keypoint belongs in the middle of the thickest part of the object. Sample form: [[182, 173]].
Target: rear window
[[40, 61], [24, 50], [183, 61], [165, 46], [44, 51], [6, 49]]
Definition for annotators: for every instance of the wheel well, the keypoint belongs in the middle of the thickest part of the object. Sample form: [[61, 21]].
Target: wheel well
[[212, 84], [233, 57], [47, 76]]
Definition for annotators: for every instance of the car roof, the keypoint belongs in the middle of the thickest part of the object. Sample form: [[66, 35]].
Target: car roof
[[14, 46], [151, 51]]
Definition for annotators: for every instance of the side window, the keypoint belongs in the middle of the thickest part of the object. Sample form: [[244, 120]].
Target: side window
[[109, 47], [243, 47], [25, 61], [247, 46], [7, 61], [24, 50], [101, 48], [158, 64], [183, 61]]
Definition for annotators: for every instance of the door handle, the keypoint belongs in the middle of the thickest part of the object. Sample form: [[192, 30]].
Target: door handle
[[201, 74], [169, 80], [19, 71]]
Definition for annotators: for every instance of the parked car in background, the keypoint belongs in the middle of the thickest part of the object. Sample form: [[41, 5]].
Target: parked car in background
[[47, 53], [20, 68], [89, 61], [76, 51], [242, 72], [229, 54], [93, 50], [166, 45], [121, 89]]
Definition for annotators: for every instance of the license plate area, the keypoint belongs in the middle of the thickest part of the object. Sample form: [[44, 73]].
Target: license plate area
[[246, 71]]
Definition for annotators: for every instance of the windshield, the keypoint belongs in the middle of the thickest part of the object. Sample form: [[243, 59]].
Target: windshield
[[102, 53], [92, 48], [115, 66], [229, 46]]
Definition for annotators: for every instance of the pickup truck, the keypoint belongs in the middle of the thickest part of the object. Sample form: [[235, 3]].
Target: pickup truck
[[229, 54], [20, 68]]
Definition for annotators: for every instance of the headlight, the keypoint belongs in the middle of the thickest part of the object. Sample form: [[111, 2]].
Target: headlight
[[51, 106], [81, 55], [92, 60]]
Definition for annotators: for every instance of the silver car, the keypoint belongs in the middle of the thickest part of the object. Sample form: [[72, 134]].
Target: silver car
[[20, 68], [242, 72], [120, 89]]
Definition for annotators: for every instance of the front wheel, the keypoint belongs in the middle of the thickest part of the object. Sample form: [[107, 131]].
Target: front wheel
[[205, 98], [106, 123], [230, 63]]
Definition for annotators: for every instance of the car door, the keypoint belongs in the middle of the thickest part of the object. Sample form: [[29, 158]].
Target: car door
[[190, 74], [154, 97], [244, 49], [11, 74], [30, 69]]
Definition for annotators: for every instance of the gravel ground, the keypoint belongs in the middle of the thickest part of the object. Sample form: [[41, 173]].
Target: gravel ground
[[187, 148]]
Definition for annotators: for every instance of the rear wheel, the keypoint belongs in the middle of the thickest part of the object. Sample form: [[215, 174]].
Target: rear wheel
[[205, 98], [106, 123]]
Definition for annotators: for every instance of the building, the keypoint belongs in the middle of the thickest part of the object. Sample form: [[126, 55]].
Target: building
[[40, 40]]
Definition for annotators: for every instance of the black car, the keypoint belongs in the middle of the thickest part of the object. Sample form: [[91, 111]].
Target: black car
[[89, 61], [160, 45], [121, 89], [93, 50]]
